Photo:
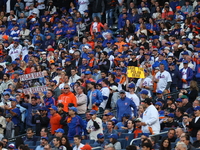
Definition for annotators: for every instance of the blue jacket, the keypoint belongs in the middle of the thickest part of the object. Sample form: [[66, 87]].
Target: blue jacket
[[189, 75], [29, 108], [157, 63], [155, 27], [197, 72], [76, 125], [96, 97], [125, 105]]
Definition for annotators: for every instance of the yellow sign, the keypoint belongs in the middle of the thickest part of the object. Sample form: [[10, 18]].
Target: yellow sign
[[135, 72]]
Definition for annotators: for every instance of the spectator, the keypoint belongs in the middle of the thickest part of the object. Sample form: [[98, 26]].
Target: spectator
[[196, 143], [55, 119], [30, 137], [81, 101], [77, 142], [113, 142], [75, 123], [100, 141], [150, 122], [110, 128], [43, 142], [186, 140]]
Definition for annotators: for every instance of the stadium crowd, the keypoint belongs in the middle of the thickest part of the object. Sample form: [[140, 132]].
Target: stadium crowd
[[84, 49]]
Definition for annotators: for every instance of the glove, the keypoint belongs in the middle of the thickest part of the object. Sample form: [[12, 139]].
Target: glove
[[184, 81], [0, 125]]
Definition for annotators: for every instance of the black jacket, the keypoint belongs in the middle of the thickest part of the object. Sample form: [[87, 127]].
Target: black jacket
[[98, 6], [194, 126]]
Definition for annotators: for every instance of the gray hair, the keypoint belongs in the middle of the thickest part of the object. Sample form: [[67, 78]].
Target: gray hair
[[183, 145]]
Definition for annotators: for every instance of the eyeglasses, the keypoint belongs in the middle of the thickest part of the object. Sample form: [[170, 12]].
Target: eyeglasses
[[66, 88], [184, 118], [5, 141]]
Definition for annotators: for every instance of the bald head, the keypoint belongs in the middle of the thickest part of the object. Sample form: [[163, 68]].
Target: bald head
[[179, 132]]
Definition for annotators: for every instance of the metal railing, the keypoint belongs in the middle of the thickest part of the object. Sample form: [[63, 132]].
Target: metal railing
[[149, 135]]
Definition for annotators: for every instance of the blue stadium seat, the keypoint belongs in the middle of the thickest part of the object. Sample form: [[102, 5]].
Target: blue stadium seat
[[32, 147], [194, 139], [37, 143], [87, 141], [29, 143], [123, 143], [137, 142], [127, 136]]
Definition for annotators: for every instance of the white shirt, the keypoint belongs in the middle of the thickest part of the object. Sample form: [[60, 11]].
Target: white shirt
[[83, 5], [184, 76], [146, 82], [105, 92], [94, 27], [151, 118], [78, 148], [164, 78], [134, 98], [94, 132], [40, 6], [15, 52]]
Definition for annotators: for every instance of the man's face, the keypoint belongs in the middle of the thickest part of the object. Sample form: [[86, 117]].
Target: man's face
[[195, 103], [109, 125], [185, 119], [71, 112], [5, 77], [179, 104], [77, 141], [183, 139], [29, 134], [122, 95], [66, 89], [55, 142], [13, 104], [52, 111], [33, 101], [43, 142], [171, 134], [73, 72], [145, 148]]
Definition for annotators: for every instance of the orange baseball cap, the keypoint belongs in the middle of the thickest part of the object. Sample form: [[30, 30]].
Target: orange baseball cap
[[178, 7], [5, 37], [86, 147]]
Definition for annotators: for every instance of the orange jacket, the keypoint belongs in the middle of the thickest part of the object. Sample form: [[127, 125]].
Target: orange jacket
[[99, 26], [119, 44], [65, 99], [55, 122]]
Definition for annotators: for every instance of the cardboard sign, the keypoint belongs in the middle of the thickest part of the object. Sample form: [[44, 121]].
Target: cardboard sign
[[135, 72], [35, 89], [31, 76]]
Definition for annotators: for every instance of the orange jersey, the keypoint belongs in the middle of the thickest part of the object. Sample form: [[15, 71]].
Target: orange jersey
[[55, 122]]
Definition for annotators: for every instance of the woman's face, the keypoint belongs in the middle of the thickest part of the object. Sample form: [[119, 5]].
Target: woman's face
[[157, 9], [173, 106], [63, 140], [1, 46], [165, 143], [127, 22], [141, 109]]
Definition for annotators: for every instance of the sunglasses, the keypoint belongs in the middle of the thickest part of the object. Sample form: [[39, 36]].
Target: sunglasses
[[66, 88]]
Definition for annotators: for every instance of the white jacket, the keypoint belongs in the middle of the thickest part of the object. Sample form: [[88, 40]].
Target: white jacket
[[151, 118]]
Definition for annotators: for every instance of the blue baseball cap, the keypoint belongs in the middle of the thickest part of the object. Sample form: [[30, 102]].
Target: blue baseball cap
[[93, 112], [179, 100], [125, 45], [46, 138], [63, 8], [92, 52], [114, 136], [68, 59], [48, 34], [59, 68], [145, 134], [172, 64], [170, 115], [144, 92], [60, 130], [185, 53], [158, 103], [197, 46], [54, 108], [96, 67], [159, 92], [73, 108], [100, 136], [2, 26], [132, 85], [14, 63], [37, 42], [16, 40], [6, 93], [43, 108], [197, 108], [87, 11], [53, 81], [88, 72], [168, 43], [155, 37], [109, 114], [87, 81], [185, 62]]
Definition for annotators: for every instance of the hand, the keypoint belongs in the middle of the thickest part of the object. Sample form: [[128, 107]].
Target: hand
[[143, 124], [184, 81], [6, 107]]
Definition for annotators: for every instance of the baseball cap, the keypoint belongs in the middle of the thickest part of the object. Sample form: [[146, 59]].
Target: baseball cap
[[109, 114], [114, 87], [147, 100], [53, 81], [6, 93], [159, 92], [122, 91], [132, 85], [185, 53], [46, 138], [185, 62], [125, 45], [86, 147], [197, 108], [73, 108], [100, 136], [93, 112], [11, 146], [179, 100], [54, 108], [144, 92], [114, 136], [8, 116], [13, 99], [184, 97], [170, 115], [60, 130], [138, 120], [88, 72], [158, 103]]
